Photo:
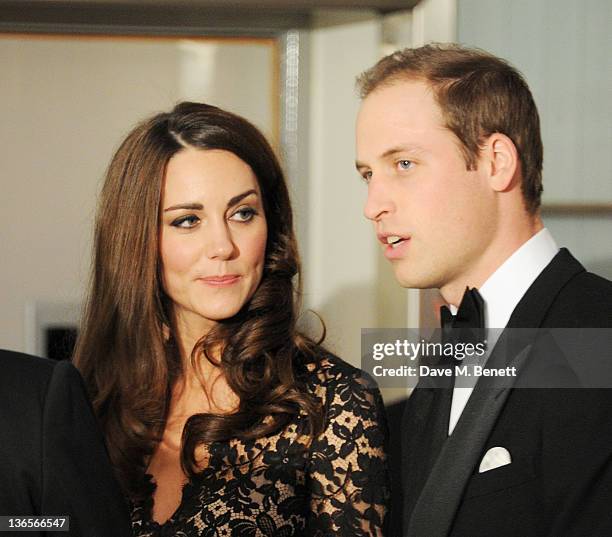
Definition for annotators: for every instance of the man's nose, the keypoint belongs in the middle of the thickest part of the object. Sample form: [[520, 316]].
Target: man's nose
[[379, 200], [219, 244]]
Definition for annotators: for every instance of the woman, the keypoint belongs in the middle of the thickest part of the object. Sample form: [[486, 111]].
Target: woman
[[220, 417]]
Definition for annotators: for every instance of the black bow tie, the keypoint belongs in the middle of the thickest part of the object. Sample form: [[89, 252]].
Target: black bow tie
[[467, 326]]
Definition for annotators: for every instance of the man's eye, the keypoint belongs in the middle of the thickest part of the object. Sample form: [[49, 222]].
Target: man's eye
[[366, 176], [245, 214], [186, 222], [405, 164]]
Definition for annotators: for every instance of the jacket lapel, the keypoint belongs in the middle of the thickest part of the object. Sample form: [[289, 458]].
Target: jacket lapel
[[435, 509]]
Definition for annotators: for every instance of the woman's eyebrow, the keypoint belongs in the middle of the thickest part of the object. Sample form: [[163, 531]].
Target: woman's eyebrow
[[194, 206], [189, 206], [240, 197]]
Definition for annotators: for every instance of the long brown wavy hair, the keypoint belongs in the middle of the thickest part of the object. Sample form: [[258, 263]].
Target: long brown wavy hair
[[124, 353]]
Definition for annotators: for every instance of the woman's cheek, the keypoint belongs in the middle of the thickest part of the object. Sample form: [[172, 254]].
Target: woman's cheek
[[177, 254]]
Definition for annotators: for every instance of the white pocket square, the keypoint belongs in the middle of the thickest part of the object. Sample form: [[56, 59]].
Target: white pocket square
[[494, 458]]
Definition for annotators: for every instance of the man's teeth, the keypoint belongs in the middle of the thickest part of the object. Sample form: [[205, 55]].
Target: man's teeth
[[394, 240]]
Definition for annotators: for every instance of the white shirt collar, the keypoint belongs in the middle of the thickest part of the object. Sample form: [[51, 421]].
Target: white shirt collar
[[502, 292], [504, 289]]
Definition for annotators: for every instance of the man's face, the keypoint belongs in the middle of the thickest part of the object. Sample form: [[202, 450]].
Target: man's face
[[420, 193]]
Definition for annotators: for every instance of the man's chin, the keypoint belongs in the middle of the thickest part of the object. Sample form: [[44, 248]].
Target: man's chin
[[413, 281]]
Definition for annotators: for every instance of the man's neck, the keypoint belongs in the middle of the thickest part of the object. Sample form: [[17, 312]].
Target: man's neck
[[491, 259]]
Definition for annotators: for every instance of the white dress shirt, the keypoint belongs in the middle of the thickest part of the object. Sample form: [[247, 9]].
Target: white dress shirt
[[501, 294]]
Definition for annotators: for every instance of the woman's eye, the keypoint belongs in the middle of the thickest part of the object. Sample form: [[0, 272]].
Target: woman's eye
[[186, 222], [405, 164], [244, 215]]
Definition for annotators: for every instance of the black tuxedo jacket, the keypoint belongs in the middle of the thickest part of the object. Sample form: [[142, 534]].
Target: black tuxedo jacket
[[52, 456], [559, 482]]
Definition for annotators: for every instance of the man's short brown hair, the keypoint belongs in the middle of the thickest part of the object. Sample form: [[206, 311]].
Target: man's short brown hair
[[478, 94]]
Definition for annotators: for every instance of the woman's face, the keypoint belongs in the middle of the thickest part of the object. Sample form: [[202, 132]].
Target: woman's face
[[213, 236]]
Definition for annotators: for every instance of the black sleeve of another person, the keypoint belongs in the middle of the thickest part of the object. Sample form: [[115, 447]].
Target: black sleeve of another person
[[55, 462]]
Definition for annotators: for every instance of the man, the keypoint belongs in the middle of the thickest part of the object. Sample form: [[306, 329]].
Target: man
[[448, 142], [52, 455]]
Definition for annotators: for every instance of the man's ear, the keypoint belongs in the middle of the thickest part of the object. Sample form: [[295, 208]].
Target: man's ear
[[501, 160]]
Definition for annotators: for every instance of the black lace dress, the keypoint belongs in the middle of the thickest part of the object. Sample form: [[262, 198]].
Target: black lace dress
[[279, 487]]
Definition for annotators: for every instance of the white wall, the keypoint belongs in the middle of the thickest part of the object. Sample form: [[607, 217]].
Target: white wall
[[563, 49], [341, 267], [434, 20]]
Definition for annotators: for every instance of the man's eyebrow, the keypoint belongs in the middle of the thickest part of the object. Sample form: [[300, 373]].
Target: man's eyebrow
[[401, 149], [194, 206], [392, 151]]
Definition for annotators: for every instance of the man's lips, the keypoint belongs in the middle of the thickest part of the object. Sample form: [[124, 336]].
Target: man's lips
[[219, 281], [391, 238], [397, 250], [395, 245]]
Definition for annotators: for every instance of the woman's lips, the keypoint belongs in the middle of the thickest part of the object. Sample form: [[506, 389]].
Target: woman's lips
[[220, 281]]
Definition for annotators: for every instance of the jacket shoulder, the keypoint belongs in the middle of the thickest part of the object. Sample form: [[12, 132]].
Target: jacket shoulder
[[585, 301], [24, 374]]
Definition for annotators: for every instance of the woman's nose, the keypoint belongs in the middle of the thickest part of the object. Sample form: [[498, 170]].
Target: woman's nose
[[220, 244]]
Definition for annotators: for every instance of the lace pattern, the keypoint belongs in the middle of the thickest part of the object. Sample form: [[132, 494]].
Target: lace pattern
[[280, 486]]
